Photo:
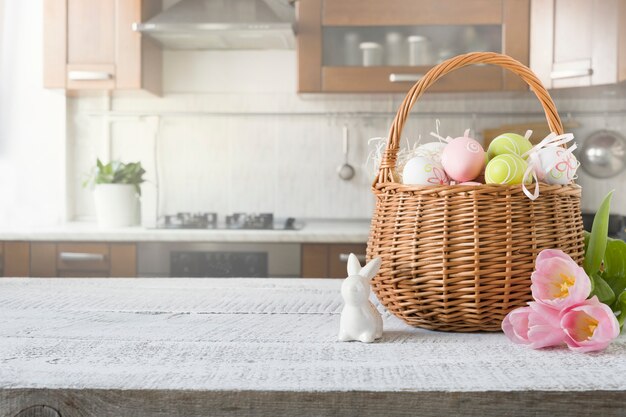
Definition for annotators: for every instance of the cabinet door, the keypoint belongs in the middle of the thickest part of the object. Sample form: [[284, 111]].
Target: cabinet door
[[374, 46], [575, 43], [123, 260], [314, 260], [43, 259], [16, 259], [83, 259]]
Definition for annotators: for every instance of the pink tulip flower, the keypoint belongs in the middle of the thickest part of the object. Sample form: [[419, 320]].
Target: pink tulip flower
[[589, 326], [557, 281], [537, 326]]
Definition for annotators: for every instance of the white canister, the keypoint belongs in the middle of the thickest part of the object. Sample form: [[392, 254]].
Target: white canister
[[117, 205], [395, 49], [419, 51], [372, 54]]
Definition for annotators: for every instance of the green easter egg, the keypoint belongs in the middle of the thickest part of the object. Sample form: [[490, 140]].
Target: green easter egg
[[505, 169], [508, 143]]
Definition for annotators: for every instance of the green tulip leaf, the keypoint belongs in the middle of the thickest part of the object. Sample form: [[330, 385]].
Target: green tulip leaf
[[602, 290], [587, 236], [615, 265], [598, 238]]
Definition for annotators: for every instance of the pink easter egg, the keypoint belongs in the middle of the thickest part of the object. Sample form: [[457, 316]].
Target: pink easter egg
[[463, 159]]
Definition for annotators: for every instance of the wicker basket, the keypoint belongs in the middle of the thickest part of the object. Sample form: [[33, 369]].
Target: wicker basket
[[459, 258]]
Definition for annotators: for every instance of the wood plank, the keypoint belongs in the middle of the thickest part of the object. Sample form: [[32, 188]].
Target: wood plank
[[95, 257], [376, 79], [43, 259], [54, 43], [123, 260], [72, 402], [542, 39], [411, 12], [516, 39], [16, 259], [309, 45], [314, 260], [337, 268]]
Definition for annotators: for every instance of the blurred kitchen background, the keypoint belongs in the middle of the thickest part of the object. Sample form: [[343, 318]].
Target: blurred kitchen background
[[252, 118]]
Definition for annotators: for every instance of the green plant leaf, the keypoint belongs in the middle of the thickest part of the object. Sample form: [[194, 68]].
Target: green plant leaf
[[587, 236], [620, 305], [116, 172], [615, 265], [602, 290], [598, 238]]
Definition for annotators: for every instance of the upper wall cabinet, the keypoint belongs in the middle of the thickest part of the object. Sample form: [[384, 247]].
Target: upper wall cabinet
[[578, 43], [90, 45], [386, 46]]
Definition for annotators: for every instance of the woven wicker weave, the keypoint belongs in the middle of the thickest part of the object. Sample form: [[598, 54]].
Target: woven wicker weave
[[459, 258]]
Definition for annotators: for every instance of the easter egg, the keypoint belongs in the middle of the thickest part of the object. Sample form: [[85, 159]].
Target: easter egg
[[431, 150], [463, 159], [508, 143], [421, 170], [505, 169], [557, 166]]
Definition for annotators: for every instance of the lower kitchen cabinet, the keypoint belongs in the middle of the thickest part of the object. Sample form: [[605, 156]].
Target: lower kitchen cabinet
[[69, 259], [329, 260]]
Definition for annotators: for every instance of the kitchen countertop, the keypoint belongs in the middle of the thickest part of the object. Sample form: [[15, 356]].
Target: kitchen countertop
[[267, 347], [345, 231]]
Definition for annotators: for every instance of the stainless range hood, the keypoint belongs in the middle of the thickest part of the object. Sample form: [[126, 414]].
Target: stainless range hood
[[223, 24]]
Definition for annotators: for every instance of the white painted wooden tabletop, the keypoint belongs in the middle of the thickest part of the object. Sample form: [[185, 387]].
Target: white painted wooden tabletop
[[255, 334]]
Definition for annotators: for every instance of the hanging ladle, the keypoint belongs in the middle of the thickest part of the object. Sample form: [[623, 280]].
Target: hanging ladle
[[345, 171]]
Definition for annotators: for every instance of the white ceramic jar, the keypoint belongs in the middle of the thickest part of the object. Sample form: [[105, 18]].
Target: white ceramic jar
[[372, 54], [117, 205]]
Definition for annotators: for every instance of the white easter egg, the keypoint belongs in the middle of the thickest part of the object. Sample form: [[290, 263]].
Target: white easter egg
[[557, 165], [421, 170], [431, 150]]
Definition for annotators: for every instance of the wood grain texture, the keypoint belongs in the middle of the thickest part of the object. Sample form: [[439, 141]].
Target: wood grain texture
[[127, 45], [180, 347], [166, 403], [314, 260], [54, 43], [16, 259], [309, 45], [43, 259], [91, 32], [411, 12], [123, 260]]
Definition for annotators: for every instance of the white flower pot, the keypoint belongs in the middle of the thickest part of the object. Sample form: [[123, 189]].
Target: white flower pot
[[117, 205]]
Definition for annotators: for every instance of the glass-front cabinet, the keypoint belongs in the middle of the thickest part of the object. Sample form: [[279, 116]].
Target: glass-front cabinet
[[385, 46]]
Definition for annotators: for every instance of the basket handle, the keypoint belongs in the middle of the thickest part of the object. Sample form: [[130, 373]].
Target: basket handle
[[388, 163]]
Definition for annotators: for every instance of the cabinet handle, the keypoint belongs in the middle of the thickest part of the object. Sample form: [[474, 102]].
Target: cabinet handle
[[81, 257], [343, 257], [571, 73], [89, 75], [405, 78]]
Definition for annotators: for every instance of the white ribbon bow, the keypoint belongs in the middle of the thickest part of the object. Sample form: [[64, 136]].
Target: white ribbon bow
[[534, 162]]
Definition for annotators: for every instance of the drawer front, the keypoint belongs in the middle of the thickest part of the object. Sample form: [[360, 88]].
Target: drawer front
[[338, 258], [83, 257]]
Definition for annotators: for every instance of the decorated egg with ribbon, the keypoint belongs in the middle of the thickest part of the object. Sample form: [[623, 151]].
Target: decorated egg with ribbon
[[463, 158], [421, 170], [431, 150], [557, 165]]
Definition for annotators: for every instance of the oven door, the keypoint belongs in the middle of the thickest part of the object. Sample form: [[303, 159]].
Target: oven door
[[173, 259]]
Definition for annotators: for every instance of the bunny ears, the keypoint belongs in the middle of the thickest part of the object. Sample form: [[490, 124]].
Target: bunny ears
[[368, 272]]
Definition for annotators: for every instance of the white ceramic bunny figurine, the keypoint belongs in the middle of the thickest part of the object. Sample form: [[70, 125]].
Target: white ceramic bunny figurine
[[360, 320]]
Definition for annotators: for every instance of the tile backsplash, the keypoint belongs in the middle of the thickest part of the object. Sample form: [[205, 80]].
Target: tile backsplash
[[215, 147]]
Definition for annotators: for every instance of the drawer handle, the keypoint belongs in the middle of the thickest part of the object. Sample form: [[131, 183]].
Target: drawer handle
[[89, 75], [343, 257], [81, 257], [405, 78], [571, 73]]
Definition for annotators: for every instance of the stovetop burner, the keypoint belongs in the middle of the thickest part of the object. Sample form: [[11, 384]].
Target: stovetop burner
[[235, 221]]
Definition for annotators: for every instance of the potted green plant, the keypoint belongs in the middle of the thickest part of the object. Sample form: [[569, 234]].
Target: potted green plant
[[117, 192]]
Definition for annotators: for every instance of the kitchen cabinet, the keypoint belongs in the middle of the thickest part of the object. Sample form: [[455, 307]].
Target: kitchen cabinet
[[91, 45], [578, 43], [386, 46], [65, 259], [329, 260]]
